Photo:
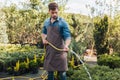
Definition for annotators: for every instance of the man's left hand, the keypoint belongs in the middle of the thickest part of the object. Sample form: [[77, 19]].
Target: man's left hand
[[66, 49]]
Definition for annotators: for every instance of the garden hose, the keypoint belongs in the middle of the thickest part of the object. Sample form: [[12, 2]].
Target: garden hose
[[54, 47], [90, 78]]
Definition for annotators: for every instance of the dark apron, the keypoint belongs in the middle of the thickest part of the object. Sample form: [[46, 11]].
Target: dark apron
[[55, 60]]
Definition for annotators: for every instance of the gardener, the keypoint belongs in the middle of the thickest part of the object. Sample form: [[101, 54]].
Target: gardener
[[56, 31]]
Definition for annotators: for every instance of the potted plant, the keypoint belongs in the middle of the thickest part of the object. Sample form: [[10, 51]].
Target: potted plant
[[33, 66]]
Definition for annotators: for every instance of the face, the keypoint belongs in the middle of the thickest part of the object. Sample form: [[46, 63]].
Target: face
[[53, 13]]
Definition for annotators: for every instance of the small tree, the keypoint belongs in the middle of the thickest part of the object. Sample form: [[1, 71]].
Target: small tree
[[100, 35]]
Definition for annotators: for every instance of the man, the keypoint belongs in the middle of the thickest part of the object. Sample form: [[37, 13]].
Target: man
[[55, 31]]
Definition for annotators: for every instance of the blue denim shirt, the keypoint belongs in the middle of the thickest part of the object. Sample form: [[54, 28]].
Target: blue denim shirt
[[62, 25]]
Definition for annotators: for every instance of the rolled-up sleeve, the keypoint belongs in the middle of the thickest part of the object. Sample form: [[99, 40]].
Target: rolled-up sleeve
[[66, 32], [44, 30]]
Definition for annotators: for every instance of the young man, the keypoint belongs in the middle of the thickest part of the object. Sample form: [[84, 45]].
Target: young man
[[56, 31]]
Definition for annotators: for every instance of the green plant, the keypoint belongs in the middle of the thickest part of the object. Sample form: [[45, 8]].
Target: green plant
[[27, 63], [101, 35], [23, 68], [10, 70], [78, 47], [40, 62], [33, 66], [1, 65], [10, 54], [97, 73], [16, 68], [109, 60], [71, 62]]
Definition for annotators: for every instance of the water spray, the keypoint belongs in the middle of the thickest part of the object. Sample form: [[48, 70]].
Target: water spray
[[82, 63]]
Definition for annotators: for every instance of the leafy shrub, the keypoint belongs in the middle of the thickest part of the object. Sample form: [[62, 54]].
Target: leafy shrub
[[33, 66], [78, 47], [115, 54], [10, 70], [23, 68], [40, 62], [97, 73], [1, 65], [109, 60], [10, 54]]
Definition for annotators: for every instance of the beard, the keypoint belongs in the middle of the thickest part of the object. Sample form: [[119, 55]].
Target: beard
[[54, 17]]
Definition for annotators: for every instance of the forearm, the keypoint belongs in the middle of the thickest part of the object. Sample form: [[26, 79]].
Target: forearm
[[67, 42], [43, 36]]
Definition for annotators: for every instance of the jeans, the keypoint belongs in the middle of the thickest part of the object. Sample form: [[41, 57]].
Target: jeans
[[62, 75]]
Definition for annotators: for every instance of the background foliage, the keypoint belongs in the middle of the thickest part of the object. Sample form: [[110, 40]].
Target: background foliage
[[98, 31]]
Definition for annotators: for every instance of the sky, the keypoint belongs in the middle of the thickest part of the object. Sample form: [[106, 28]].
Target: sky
[[73, 6], [79, 6]]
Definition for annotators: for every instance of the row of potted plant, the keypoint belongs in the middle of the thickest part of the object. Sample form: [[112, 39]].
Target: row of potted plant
[[26, 66]]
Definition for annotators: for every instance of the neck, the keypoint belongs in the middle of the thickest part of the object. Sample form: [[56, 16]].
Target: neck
[[53, 20]]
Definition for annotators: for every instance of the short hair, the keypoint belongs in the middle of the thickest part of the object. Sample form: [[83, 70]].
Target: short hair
[[53, 6]]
